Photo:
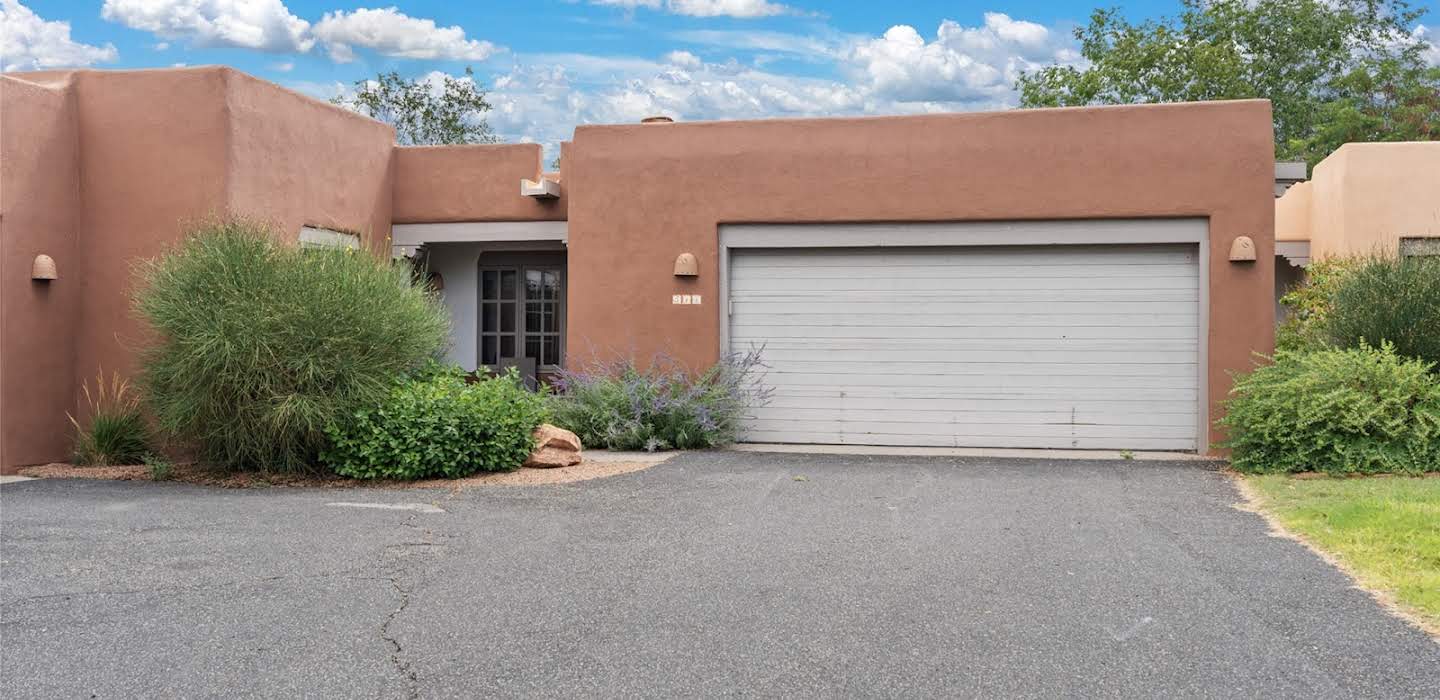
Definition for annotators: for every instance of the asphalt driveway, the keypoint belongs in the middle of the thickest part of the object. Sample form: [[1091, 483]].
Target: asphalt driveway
[[712, 574]]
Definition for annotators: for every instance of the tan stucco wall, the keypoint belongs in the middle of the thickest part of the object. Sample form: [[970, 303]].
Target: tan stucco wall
[[155, 149], [1292, 213], [1364, 198], [296, 161], [642, 194], [39, 214], [436, 184]]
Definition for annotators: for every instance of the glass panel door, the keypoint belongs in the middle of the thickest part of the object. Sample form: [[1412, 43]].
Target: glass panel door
[[542, 315], [506, 294], [498, 302]]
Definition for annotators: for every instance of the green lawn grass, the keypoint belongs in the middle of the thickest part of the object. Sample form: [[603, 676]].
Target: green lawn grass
[[1385, 530]]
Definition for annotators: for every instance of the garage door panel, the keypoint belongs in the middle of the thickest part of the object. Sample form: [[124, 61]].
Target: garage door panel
[[1180, 371], [967, 257], [962, 404], [1032, 442], [1024, 414], [945, 431], [1040, 346], [1093, 386], [961, 309], [1140, 352], [774, 335], [939, 282], [916, 319]]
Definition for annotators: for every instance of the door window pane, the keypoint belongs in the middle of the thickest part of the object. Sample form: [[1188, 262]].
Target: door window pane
[[487, 318], [490, 284], [507, 346], [507, 317], [487, 350], [507, 284]]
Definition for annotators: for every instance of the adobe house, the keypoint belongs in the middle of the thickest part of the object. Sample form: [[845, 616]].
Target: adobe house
[[1068, 278]]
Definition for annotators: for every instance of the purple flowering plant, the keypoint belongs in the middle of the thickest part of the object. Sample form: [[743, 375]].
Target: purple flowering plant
[[622, 405]]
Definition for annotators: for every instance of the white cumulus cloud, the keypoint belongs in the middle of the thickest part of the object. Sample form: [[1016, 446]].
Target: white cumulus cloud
[[703, 8], [1431, 51], [29, 42], [392, 33], [266, 25], [961, 63]]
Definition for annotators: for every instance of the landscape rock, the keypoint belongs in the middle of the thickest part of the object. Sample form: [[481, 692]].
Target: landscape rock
[[554, 447]]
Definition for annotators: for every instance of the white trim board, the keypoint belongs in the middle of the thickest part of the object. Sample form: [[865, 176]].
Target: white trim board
[[479, 232], [985, 233], [964, 233]]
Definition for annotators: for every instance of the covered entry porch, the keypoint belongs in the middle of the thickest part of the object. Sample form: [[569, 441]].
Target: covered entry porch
[[505, 286]]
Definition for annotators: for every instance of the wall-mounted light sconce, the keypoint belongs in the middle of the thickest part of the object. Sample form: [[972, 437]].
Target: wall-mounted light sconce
[[1242, 249], [686, 265], [436, 281], [43, 269]]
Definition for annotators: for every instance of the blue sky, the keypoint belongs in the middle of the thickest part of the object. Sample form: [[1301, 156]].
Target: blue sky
[[551, 64]]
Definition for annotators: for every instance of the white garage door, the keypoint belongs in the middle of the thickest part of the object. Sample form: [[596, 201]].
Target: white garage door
[[1042, 346]]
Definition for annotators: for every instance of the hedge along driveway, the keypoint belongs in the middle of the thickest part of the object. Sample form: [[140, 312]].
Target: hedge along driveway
[[711, 574]]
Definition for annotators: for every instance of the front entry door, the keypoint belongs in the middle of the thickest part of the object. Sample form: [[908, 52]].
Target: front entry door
[[522, 318]]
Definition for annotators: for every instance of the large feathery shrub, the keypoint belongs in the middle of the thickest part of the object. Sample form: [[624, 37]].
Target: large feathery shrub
[[1388, 299], [261, 344]]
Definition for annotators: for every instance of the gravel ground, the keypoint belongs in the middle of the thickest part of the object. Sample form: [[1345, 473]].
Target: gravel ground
[[711, 574]]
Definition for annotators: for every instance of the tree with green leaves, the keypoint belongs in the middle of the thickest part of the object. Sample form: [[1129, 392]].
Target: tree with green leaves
[[424, 112], [1334, 70]]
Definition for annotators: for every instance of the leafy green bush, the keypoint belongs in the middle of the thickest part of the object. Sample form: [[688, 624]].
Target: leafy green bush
[[161, 469], [623, 407], [115, 431], [1357, 411], [1389, 299], [262, 345], [439, 426], [1309, 304]]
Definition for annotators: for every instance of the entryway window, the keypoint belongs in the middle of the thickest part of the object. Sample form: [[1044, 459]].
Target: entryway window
[[521, 315]]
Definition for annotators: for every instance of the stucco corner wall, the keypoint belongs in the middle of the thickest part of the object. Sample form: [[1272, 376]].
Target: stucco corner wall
[[1292, 213], [39, 205], [435, 184], [642, 194], [296, 161], [103, 168]]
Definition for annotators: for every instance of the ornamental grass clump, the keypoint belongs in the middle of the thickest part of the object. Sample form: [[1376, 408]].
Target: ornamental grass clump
[[438, 425], [621, 406], [114, 431], [1363, 410], [261, 345], [1394, 299]]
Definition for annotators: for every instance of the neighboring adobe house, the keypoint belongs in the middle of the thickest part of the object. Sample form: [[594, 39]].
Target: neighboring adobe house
[[1041, 278], [1364, 198]]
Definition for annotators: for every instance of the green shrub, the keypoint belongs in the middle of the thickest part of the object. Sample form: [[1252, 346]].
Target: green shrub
[[262, 345], [1355, 411], [620, 406], [115, 431], [161, 469], [1388, 299], [439, 426], [1309, 305]]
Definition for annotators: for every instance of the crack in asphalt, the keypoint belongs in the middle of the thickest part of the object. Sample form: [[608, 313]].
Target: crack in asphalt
[[395, 570]]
